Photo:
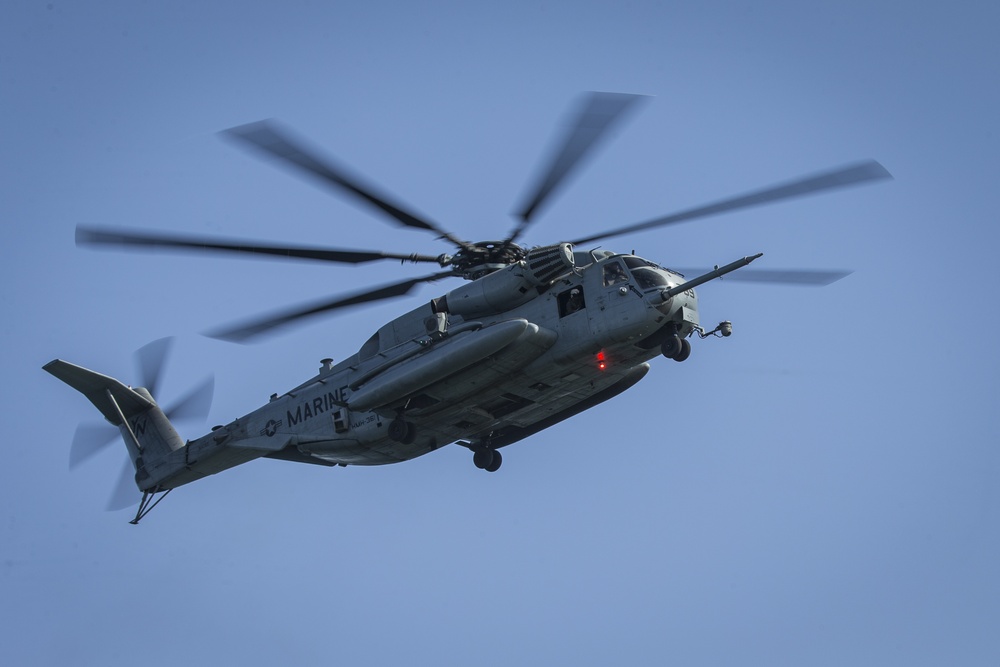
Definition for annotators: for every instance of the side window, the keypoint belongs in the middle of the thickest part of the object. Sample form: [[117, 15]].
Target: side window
[[571, 301], [614, 273]]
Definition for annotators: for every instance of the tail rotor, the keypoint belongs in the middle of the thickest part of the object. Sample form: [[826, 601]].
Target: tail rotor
[[93, 437]]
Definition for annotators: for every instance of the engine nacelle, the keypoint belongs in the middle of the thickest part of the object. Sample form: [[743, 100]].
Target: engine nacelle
[[509, 287]]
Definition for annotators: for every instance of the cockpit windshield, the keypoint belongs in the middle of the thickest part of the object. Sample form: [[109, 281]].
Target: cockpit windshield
[[647, 274], [648, 278]]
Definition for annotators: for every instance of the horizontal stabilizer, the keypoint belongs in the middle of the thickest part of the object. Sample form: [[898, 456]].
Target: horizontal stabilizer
[[96, 388]]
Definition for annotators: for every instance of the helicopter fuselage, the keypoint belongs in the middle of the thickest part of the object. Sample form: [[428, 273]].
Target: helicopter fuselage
[[428, 379]]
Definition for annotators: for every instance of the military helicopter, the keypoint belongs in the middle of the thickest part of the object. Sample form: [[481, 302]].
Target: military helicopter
[[533, 337]]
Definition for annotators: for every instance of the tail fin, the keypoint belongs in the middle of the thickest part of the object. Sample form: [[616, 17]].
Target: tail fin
[[146, 430]]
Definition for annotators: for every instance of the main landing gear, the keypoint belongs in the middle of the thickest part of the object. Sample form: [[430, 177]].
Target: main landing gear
[[487, 459], [402, 431]]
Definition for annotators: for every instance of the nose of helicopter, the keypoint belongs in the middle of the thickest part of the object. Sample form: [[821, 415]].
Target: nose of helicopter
[[679, 307]]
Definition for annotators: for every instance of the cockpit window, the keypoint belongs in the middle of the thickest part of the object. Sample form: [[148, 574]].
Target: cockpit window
[[614, 273], [648, 278]]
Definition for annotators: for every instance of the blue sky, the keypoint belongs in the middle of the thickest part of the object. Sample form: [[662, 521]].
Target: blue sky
[[818, 489]]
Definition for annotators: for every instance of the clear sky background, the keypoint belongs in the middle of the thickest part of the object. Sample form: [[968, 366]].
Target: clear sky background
[[819, 489]]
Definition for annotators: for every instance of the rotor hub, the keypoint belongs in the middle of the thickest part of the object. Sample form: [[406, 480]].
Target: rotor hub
[[479, 259]]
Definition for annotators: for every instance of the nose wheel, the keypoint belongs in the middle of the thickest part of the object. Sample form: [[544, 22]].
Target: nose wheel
[[676, 348], [487, 459]]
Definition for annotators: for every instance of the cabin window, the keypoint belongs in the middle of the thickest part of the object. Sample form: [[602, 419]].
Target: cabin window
[[614, 273], [571, 301]]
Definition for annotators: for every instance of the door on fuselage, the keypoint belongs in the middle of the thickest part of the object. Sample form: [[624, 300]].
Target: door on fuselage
[[614, 305]]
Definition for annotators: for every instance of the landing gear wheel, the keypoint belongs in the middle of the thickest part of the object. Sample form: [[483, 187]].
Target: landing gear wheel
[[672, 346], [402, 431], [487, 459], [685, 350], [482, 458]]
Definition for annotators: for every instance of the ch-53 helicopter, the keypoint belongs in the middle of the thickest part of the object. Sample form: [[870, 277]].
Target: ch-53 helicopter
[[536, 335]]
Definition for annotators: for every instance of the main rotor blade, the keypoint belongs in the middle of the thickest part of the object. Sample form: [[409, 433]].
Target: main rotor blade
[[150, 359], [805, 277], [254, 328], [268, 138], [838, 178], [92, 236], [596, 114]]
